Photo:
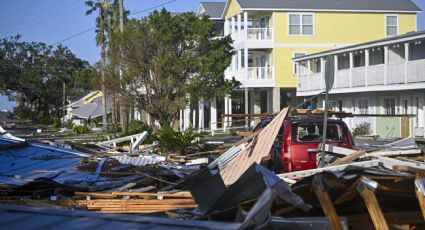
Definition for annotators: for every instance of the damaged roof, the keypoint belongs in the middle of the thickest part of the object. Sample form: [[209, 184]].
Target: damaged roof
[[33, 161]]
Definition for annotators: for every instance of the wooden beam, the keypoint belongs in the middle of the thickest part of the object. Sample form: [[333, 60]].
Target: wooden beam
[[349, 158], [374, 209], [419, 194], [326, 203]]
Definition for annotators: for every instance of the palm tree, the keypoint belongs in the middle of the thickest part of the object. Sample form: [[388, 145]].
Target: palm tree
[[102, 29]]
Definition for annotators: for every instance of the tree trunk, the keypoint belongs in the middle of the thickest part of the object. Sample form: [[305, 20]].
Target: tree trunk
[[123, 104], [64, 99], [114, 106], [104, 109]]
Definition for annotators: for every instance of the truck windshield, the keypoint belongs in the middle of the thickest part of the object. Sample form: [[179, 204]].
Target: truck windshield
[[312, 132]]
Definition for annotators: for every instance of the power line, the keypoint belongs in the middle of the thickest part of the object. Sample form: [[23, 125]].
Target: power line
[[90, 29]]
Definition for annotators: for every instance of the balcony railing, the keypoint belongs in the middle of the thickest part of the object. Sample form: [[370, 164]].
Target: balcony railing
[[377, 75], [253, 76], [253, 34], [259, 73], [260, 33]]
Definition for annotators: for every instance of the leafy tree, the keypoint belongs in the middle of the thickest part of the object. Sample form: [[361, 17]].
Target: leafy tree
[[34, 75], [166, 58]]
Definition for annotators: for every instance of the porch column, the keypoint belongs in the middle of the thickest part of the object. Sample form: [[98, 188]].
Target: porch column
[[245, 25], [186, 122], [200, 115], [322, 74], [239, 22], [226, 26], [336, 69], [246, 106], [230, 111], [406, 58], [245, 74], [366, 63], [385, 64], [308, 74], [213, 115], [351, 68], [276, 100], [181, 120], [239, 60], [226, 109], [193, 125], [232, 28]]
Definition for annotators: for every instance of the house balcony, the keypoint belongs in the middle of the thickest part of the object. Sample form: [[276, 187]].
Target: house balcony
[[253, 77], [382, 77]]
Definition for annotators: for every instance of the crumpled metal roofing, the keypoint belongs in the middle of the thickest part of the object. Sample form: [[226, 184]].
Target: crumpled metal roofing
[[22, 165], [138, 160]]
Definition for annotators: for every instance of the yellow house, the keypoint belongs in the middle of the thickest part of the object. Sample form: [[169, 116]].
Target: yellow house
[[267, 34]]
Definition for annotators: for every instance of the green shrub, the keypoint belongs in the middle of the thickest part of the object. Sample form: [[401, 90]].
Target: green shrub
[[113, 128], [135, 127], [172, 141], [80, 129], [362, 129]]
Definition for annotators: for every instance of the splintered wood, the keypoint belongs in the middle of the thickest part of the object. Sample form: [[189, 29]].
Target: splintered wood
[[134, 202], [255, 151]]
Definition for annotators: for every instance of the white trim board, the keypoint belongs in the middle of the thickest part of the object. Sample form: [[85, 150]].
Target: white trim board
[[310, 45]]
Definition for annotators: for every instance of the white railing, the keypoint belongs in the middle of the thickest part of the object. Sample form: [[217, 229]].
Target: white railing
[[315, 81], [395, 73], [342, 78], [376, 75], [260, 33], [358, 77], [260, 73], [415, 71], [253, 34]]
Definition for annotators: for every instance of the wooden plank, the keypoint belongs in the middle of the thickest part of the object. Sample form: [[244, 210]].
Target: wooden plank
[[306, 173], [158, 202], [255, 151], [419, 194], [349, 158], [142, 194], [326, 203], [374, 209]]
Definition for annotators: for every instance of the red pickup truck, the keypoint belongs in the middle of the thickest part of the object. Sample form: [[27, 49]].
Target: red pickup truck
[[301, 139]]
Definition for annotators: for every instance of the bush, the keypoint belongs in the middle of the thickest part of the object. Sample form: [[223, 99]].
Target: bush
[[362, 129], [80, 129], [135, 127], [171, 140], [113, 128]]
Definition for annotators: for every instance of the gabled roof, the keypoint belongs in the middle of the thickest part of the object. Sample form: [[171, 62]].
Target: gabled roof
[[332, 5], [212, 9]]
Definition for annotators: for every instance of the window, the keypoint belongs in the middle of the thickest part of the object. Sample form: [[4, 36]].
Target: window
[[363, 106], [312, 132], [294, 67], [301, 24], [332, 105], [389, 106], [392, 25], [405, 106]]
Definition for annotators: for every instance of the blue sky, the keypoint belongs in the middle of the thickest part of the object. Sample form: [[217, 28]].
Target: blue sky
[[51, 21]]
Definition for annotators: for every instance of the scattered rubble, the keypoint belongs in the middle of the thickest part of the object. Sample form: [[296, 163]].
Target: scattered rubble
[[372, 186]]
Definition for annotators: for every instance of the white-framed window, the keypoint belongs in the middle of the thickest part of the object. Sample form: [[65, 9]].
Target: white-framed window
[[297, 55], [389, 106], [363, 106], [332, 106], [301, 24], [391, 25]]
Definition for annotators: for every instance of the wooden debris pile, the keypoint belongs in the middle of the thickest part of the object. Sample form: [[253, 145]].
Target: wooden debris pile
[[134, 202]]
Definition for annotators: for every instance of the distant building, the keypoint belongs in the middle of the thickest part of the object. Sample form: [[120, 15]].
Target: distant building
[[383, 77], [87, 107]]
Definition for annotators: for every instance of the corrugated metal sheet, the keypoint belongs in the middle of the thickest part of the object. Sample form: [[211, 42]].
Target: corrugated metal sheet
[[22, 165], [366, 5], [138, 160]]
